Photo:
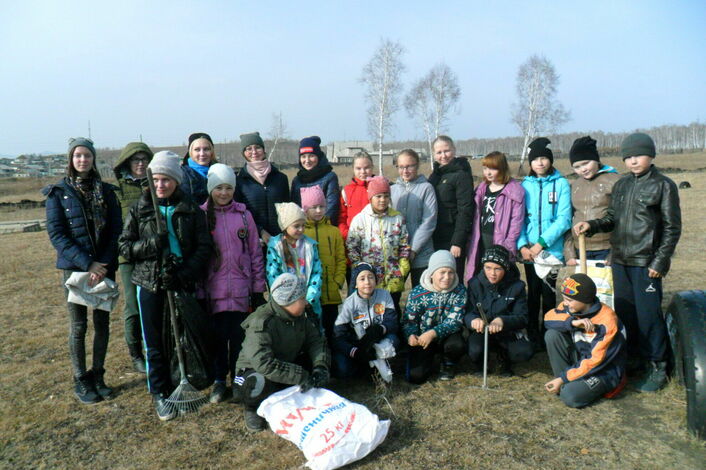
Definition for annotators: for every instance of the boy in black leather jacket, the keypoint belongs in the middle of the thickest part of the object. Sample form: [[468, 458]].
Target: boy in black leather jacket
[[645, 220]]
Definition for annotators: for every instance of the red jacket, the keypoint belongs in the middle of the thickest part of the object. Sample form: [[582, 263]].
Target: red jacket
[[354, 198]]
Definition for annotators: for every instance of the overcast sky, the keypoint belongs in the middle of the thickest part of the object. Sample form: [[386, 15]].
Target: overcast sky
[[165, 69]]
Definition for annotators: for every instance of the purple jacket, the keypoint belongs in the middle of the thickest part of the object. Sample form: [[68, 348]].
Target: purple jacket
[[241, 270], [509, 214]]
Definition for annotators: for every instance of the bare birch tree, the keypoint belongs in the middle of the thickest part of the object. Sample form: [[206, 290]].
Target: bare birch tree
[[382, 77], [419, 107], [537, 110], [278, 131]]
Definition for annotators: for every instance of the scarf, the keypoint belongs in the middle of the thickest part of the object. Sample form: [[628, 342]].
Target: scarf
[[200, 169], [259, 170], [315, 174], [90, 190]]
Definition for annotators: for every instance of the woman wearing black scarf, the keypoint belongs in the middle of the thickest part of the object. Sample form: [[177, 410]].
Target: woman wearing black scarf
[[84, 222], [314, 169]]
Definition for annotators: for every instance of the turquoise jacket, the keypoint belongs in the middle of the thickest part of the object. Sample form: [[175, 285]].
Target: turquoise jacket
[[275, 265], [548, 212]]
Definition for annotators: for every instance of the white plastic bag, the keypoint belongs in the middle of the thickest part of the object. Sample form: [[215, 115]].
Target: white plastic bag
[[330, 430], [383, 351]]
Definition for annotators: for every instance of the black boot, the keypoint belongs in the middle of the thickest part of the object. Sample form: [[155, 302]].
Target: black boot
[[85, 389], [504, 364], [138, 360], [253, 421], [103, 390]]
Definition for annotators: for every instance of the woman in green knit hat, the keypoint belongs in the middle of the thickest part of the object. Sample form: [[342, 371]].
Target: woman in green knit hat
[[131, 173]]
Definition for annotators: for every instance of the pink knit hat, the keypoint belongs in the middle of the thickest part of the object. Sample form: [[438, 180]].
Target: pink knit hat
[[312, 196], [377, 185]]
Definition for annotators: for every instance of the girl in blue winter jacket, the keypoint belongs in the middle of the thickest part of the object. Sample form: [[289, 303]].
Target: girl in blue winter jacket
[[548, 217], [293, 252]]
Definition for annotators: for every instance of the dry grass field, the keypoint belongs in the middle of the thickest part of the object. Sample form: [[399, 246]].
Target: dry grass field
[[449, 425]]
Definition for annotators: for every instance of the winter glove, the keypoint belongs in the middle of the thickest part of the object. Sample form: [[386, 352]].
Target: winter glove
[[169, 281], [373, 334], [319, 377], [364, 355]]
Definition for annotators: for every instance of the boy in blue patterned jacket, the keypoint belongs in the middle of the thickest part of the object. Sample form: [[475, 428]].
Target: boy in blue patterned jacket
[[585, 343], [433, 319]]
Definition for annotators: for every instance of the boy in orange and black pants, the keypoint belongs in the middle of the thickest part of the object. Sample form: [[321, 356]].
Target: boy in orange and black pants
[[585, 343]]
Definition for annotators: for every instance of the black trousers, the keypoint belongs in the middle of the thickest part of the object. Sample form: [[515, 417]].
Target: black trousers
[[517, 349], [229, 338], [541, 297], [152, 319], [420, 361]]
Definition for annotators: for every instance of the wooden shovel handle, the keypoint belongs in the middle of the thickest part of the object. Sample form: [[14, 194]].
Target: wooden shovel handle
[[582, 253]]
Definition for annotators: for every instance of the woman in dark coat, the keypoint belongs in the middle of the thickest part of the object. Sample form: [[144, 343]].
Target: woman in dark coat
[[453, 182], [83, 223], [315, 170], [199, 157]]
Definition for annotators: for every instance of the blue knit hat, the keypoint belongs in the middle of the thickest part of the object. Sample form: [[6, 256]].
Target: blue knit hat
[[312, 145], [357, 269]]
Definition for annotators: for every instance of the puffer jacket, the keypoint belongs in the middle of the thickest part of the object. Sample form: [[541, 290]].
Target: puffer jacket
[[137, 241], [274, 339], [275, 265], [354, 197], [129, 188], [416, 200], [329, 185], [260, 199], [332, 252], [645, 219], [506, 300], [509, 216], [240, 271], [382, 241], [453, 184], [590, 200], [193, 183], [429, 309], [546, 222], [357, 314], [69, 232]]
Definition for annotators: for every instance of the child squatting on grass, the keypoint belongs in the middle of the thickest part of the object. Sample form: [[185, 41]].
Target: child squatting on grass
[[585, 343], [645, 220]]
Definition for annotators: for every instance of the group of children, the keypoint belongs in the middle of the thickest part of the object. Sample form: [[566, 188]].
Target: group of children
[[326, 240]]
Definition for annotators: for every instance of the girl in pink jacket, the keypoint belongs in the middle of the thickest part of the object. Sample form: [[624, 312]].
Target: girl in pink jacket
[[500, 211], [236, 272]]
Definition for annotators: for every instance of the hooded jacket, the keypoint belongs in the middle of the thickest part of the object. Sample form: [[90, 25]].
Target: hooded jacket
[[276, 265], [332, 252], [260, 199], [241, 269], [548, 212], [645, 219], [382, 241], [357, 314], [590, 200], [506, 300], [509, 216], [137, 241], [453, 184], [354, 197], [416, 200], [274, 339], [429, 309], [328, 183], [69, 232]]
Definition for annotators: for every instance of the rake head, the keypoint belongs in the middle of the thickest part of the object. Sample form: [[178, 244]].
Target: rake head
[[185, 399]]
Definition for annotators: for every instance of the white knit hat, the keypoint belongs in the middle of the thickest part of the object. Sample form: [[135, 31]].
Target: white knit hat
[[287, 289], [218, 173], [288, 213], [167, 163]]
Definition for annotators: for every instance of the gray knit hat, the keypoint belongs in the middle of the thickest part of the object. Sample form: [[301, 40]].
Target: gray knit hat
[[637, 144], [253, 138], [167, 163], [81, 142], [441, 259], [287, 289]]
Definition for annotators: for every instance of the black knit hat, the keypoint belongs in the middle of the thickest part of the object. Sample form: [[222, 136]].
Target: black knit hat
[[579, 287], [357, 269], [194, 136], [497, 254], [539, 148], [637, 144], [584, 148]]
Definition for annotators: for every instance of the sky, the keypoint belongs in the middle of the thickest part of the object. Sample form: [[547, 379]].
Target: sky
[[165, 69]]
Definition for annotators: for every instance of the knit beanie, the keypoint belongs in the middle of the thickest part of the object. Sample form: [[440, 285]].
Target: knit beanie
[[312, 145], [253, 138], [583, 148], [497, 254], [81, 142], [194, 136], [167, 163], [637, 144], [377, 185], [441, 259], [579, 287], [288, 213], [539, 148], [357, 269], [287, 289], [218, 173], [312, 196]]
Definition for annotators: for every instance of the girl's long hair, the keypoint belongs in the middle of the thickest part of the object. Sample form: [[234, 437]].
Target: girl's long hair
[[287, 253], [211, 221]]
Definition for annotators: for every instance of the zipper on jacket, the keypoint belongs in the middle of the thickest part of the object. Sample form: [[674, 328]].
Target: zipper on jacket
[[540, 208], [85, 219]]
